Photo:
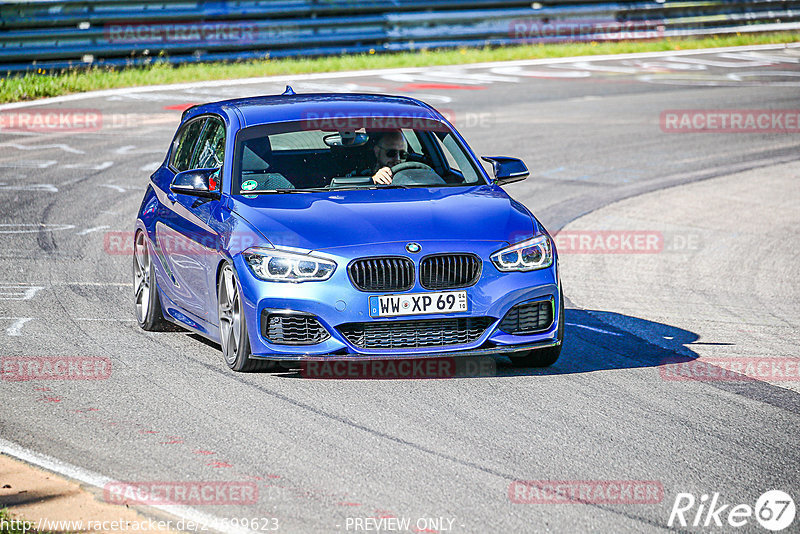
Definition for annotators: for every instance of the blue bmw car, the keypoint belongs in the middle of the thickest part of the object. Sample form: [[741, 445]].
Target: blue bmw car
[[334, 226]]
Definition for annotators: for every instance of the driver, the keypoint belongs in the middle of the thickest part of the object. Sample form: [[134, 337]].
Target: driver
[[390, 149]]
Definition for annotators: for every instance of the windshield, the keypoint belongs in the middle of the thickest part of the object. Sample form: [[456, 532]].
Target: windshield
[[356, 153]]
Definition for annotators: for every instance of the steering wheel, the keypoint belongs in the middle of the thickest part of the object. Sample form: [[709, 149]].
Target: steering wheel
[[408, 165]]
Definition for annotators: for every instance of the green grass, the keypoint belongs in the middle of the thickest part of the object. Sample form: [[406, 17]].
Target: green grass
[[43, 84], [11, 525]]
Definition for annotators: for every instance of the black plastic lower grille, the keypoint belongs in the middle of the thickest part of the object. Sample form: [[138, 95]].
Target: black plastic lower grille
[[449, 271], [415, 334], [382, 274], [292, 329], [528, 318]]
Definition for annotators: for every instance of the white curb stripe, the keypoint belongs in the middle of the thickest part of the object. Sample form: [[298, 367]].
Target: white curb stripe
[[99, 481]]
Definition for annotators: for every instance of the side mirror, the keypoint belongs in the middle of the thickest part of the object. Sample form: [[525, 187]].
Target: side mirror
[[197, 183], [507, 170]]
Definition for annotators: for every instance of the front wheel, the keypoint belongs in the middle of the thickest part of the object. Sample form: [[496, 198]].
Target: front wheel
[[233, 325], [146, 301]]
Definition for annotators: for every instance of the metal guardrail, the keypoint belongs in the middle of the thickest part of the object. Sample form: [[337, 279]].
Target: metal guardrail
[[55, 34]]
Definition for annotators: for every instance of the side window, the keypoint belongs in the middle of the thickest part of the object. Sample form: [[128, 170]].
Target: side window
[[184, 145], [210, 151], [413, 141], [451, 160], [457, 159]]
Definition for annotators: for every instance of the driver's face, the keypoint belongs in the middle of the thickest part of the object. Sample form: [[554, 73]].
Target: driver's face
[[390, 151]]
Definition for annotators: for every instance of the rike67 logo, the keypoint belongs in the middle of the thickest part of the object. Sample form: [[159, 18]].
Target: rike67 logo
[[774, 510]]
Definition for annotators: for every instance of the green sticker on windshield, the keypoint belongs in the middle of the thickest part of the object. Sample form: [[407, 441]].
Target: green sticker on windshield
[[249, 185], [250, 196]]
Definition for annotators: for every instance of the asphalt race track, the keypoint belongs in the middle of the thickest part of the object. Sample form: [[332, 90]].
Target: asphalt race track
[[325, 455]]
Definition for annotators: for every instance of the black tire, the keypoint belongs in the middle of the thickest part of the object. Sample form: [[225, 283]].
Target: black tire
[[233, 334], [542, 357], [147, 306]]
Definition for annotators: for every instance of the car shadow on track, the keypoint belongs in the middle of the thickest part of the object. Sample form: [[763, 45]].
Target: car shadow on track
[[593, 341], [601, 340]]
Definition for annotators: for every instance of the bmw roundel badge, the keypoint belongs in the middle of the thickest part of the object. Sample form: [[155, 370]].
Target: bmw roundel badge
[[413, 248]]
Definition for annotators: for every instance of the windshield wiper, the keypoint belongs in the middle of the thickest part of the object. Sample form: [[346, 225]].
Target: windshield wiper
[[369, 187], [283, 190]]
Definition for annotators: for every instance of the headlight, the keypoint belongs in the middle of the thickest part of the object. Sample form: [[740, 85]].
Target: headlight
[[529, 255], [281, 266]]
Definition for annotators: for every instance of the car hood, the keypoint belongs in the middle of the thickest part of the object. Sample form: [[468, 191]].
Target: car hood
[[332, 219]]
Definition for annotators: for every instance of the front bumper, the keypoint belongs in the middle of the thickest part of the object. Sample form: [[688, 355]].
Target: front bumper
[[486, 351], [335, 302]]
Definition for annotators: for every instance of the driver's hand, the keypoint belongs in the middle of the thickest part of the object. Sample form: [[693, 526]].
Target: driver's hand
[[383, 176]]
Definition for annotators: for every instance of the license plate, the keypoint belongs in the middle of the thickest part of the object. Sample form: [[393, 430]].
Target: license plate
[[417, 304]]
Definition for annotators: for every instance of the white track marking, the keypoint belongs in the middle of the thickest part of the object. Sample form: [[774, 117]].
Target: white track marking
[[431, 98], [458, 73], [753, 76], [380, 72], [663, 66], [18, 291], [89, 166], [22, 134], [732, 79], [452, 78], [94, 284], [109, 320], [203, 519], [132, 149], [337, 88], [16, 328], [32, 228], [739, 62], [118, 188], [761, 55], [150, 166], [97, 284], [590, 66], [95, 229], [521, 71], [65, 148], [593, 329], [50, 188], [29, 164]]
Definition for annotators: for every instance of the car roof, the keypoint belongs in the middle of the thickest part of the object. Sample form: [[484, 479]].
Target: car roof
[[259, 110]]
